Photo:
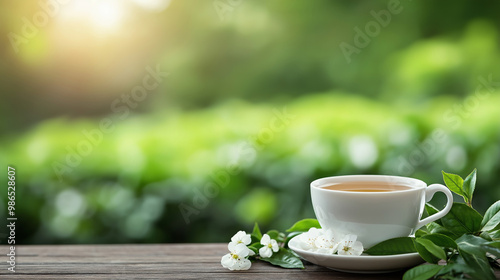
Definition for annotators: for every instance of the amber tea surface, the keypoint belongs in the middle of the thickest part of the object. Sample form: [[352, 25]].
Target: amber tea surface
[[367, 186]]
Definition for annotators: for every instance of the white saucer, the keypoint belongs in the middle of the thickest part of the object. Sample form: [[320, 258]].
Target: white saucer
[[357, 264]]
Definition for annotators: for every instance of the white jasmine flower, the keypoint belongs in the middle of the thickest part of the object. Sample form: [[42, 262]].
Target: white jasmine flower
[[308, 239], [237, 258], [327, 243], [270, 246], [349, 246], [241, 237]]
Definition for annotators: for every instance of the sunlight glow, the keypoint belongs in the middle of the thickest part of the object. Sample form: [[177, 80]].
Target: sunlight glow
[[105, 15], [153, 5], [108, 14]]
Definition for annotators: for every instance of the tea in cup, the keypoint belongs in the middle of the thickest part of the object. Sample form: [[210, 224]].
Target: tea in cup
[[374, 207]]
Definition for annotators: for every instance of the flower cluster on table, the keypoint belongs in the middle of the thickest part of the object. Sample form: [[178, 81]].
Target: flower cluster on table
[[237, 258]]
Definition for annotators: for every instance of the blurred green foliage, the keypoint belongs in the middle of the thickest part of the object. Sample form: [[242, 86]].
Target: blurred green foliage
[[201, 158], [130, 186]]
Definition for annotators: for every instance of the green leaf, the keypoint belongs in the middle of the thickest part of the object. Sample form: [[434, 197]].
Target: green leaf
[[436, 228], [471, 243], [494, 235], [495, 244], [422, 272], [255, 247], [454, 183], [490, 213], [394, 246], [493, 223], [480, 265], [462, 219], [441, 240], [273, 234], [431, 210], [284, 258], [456, 265], [276, 235], [424, 253], [304, 225], [492, 210], [492, 248], [469, 185], [256, 232], [472, 250], [421, 232], [432, 248]]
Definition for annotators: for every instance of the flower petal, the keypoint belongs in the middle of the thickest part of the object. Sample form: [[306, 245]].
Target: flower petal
[[227, 261], [238, 236], [275, 246], [231, 246], [243, 264], [265, 252], [241, 250], [265, 239], [357, 248], [246, 239]]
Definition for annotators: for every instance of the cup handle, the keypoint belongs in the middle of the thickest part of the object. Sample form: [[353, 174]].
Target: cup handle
[[429, 193]]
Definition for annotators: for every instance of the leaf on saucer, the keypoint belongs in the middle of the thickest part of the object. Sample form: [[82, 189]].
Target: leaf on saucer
[[394, 246], [422, 272], [462, 219], [304, 225], [285, 258]]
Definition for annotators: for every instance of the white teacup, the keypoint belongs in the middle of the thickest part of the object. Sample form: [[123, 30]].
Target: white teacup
[[375, 216]]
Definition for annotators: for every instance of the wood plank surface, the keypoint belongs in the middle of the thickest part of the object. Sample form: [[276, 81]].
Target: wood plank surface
[[151, 261]]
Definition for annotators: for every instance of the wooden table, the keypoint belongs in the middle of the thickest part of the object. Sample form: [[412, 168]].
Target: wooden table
[[149, 261]]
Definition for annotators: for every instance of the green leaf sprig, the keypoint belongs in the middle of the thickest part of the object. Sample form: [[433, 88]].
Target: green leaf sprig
[[462, 245]]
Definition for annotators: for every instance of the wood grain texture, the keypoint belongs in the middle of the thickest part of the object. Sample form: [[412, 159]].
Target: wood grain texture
[[151, 261]]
